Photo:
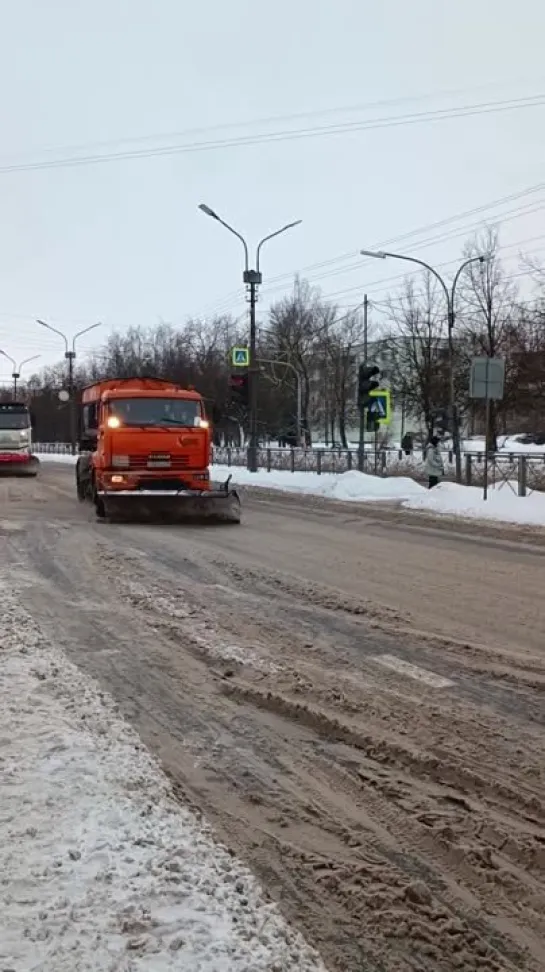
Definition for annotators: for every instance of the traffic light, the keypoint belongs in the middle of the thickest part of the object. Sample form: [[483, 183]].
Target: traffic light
[[366, 383], [238, 384]]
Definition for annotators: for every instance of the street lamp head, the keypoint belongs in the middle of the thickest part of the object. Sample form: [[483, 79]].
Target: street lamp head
[[207, 211], [296, 223], [376, 254]]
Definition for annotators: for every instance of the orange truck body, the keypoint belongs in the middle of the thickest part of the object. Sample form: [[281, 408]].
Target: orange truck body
[[145, 439]]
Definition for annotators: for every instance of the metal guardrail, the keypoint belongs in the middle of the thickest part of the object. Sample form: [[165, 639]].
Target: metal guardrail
[[524, 472], [52, 448]]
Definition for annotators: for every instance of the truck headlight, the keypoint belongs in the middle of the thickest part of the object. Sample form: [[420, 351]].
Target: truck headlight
[[24, 434], [120, 462]]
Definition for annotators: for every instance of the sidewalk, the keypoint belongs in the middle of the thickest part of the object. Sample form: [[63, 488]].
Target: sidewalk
[[101, 868]]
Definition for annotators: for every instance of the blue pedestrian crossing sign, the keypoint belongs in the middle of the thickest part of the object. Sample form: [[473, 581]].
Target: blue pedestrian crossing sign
[[240, 357], [380, 406]]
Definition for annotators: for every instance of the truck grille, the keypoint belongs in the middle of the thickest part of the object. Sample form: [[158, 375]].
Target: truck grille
[[159, 461]]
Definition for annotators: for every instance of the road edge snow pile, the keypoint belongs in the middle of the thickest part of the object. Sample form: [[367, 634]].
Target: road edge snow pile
[[350, 486], [101, 867], [503, 503]]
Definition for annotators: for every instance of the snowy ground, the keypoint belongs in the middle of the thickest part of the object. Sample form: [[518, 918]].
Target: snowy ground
[[350, 486], [101, 869], [503, 503], [449, 499]]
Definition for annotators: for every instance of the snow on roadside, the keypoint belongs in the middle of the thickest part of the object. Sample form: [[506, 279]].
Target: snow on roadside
[[502, 504], [63, 457], [349, 486], [101, 868]]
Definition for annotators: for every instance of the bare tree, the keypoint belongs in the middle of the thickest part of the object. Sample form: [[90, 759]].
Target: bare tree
[[417, 346], [342, 345], [487, 311], [296, 328]]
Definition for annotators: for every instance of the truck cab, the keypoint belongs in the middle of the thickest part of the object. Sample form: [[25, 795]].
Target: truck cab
[[145, 446], [16, 425]]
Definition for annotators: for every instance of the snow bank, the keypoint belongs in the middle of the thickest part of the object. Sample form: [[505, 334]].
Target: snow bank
[[503, 503], [351, 486], [101, 869]]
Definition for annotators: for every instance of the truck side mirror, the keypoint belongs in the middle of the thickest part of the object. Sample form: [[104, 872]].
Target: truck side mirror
[[217, 414], [32, 421]]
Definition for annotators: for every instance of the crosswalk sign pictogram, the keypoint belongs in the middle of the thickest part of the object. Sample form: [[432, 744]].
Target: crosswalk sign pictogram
[[380, 406], [240, 357]]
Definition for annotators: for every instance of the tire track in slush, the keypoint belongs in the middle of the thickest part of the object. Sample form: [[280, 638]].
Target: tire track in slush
[[400, 826]]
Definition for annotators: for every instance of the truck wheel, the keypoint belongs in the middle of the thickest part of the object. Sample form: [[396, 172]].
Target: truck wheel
[[99, 506], [84, 483], [80, 489]]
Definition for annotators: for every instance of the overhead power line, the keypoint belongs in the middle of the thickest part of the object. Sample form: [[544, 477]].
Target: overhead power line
[[416, 118], [278, 118], [233, 295]]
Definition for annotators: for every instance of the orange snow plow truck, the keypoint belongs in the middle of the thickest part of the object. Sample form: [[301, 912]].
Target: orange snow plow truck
[[144, 453]]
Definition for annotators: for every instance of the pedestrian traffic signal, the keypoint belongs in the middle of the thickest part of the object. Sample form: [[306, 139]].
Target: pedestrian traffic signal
[[366, 383], [238, 384]]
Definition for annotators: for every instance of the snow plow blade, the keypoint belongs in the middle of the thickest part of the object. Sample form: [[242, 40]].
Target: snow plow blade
[[220, 504]]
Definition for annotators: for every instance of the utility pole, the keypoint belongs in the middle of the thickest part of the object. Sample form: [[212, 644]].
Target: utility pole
[[252, 279], [361, 443], [70, 356]]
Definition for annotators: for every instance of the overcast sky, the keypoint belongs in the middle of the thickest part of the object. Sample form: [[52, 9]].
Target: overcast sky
[[122, 241]]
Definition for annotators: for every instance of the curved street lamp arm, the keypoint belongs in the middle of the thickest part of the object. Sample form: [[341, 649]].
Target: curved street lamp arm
[[85, 330], [12, 360], [55, 331], [459, 272], [28, 360], [212, 213], [426, 266], [271, 236], [239, 237]]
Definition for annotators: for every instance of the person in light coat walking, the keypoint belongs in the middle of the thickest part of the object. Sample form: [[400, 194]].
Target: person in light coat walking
[[434, 462]]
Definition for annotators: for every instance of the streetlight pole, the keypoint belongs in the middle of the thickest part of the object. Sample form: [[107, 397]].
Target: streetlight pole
[[16, 373], [252, 279], [70, 355], [450, 298]]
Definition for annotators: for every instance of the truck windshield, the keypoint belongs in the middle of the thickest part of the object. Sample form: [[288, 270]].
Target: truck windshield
[[156, 411], [14, 417]]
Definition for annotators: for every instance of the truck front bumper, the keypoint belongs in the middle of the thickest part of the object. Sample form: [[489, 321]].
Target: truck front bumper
[[18, 464]]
